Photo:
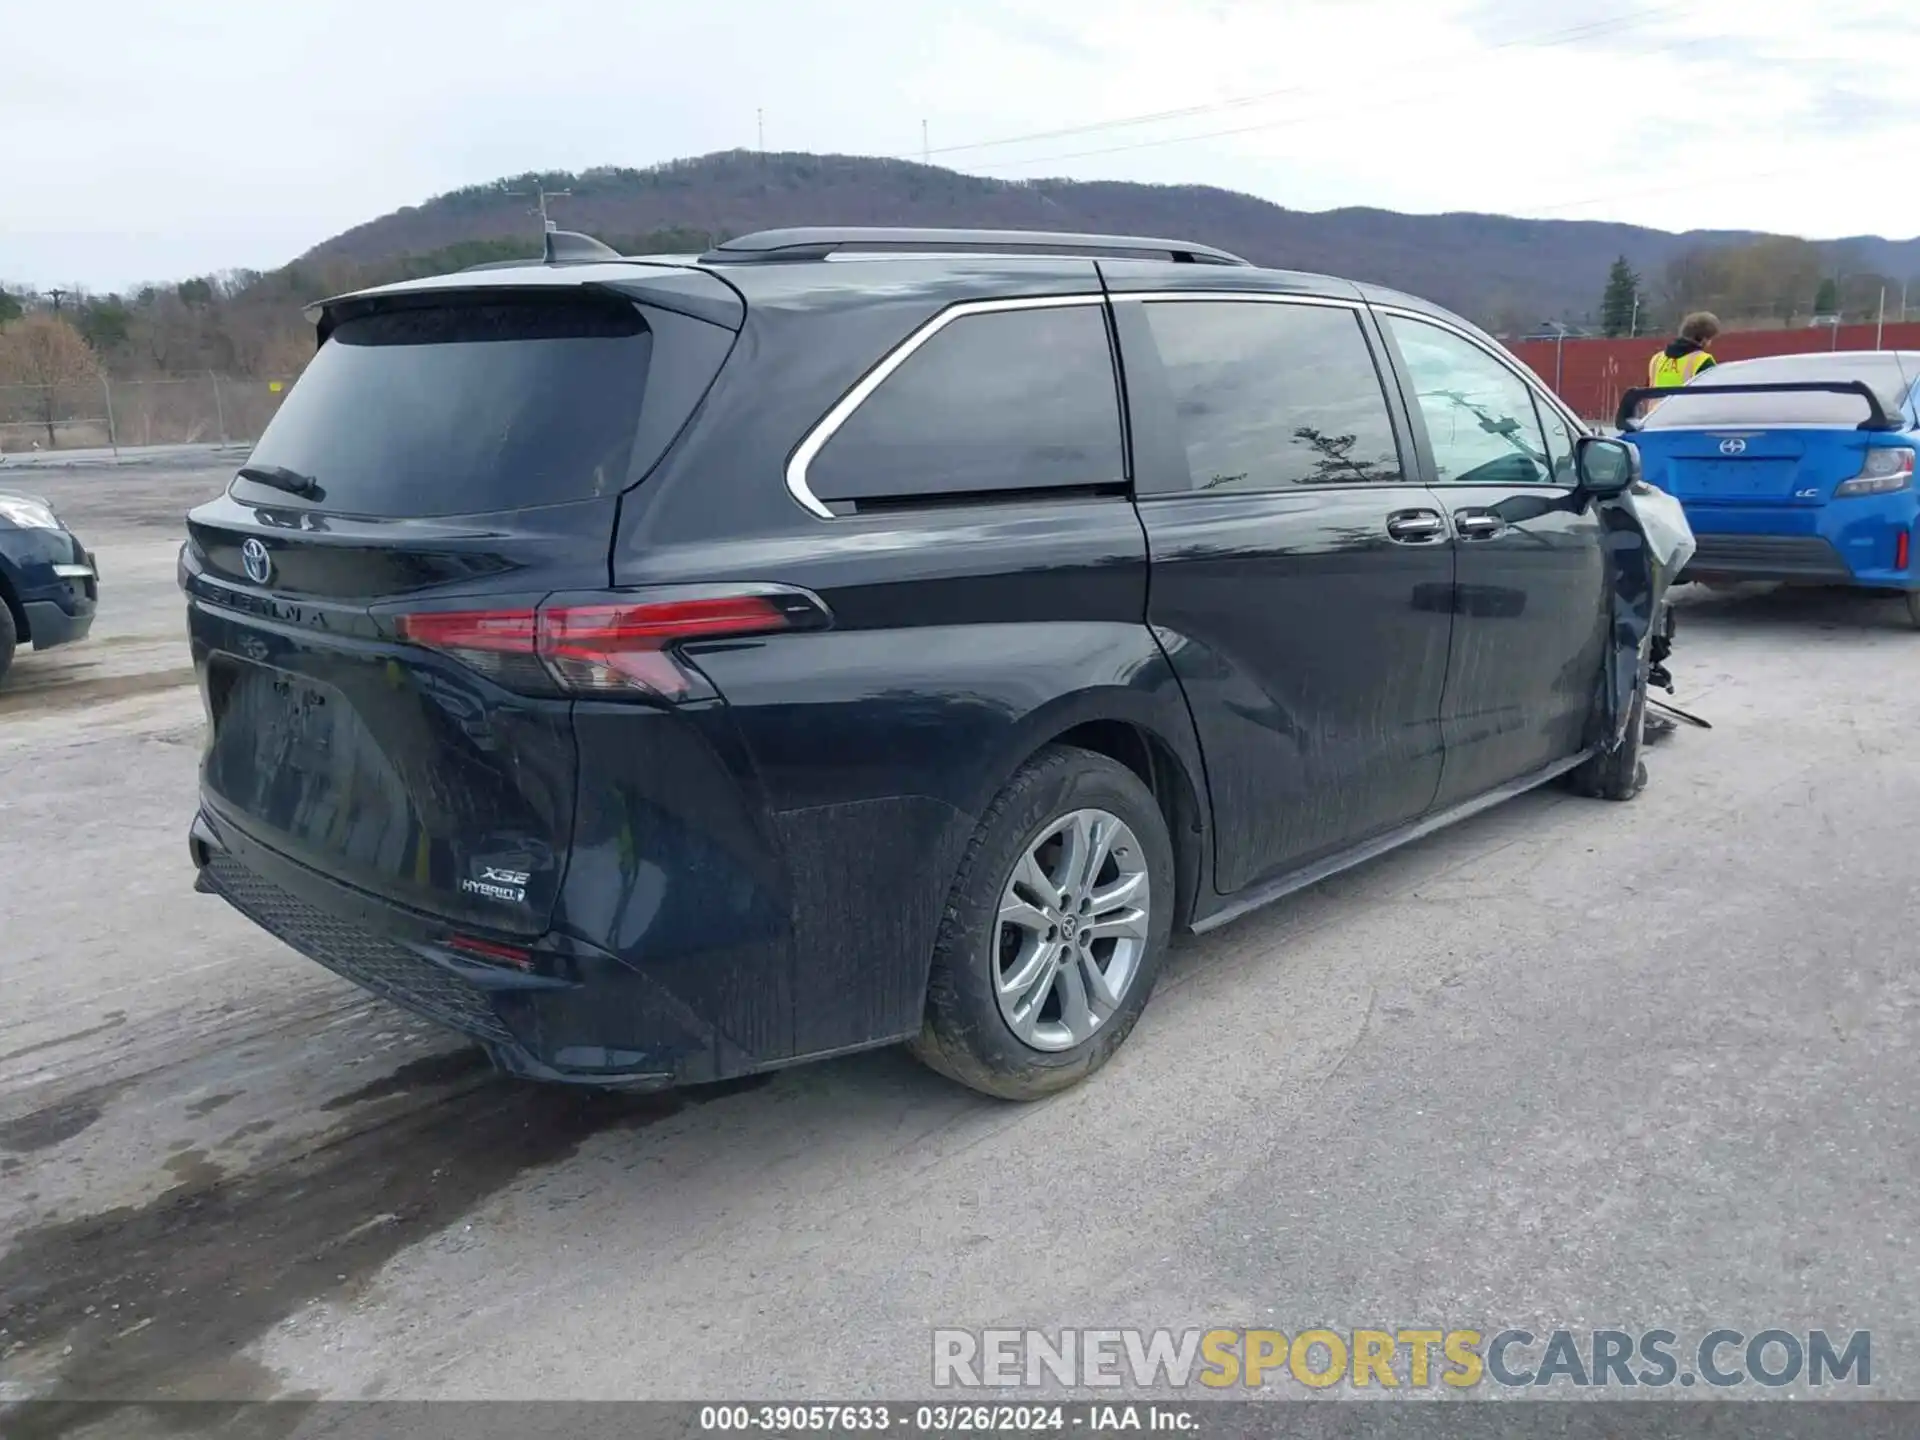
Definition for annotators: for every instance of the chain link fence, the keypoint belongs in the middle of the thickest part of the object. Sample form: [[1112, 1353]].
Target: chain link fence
[[113, 414]]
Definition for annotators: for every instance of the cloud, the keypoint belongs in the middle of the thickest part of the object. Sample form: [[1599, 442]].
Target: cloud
[[227, 134]]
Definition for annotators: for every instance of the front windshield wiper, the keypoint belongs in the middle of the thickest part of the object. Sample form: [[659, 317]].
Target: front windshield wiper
[[281, 478]]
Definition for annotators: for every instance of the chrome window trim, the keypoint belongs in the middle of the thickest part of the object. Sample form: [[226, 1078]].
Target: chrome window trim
[[824, 430], [829, 424], [1265, 297]]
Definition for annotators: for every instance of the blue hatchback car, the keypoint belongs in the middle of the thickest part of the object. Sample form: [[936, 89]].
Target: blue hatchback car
[[1795, 468]]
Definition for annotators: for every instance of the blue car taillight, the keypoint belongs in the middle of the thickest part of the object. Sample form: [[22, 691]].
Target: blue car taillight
[[1885, 470]]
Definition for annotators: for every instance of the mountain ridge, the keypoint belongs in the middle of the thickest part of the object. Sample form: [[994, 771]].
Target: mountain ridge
[[1503, 270]]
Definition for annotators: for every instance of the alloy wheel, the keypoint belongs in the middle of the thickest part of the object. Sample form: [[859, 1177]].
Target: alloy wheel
[[1072, 929]]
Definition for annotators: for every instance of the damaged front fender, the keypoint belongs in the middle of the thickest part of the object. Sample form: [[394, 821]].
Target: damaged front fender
[[1647, 543]]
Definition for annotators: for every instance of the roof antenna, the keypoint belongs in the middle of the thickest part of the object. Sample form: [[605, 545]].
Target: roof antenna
[[563, 246], [559, 246]]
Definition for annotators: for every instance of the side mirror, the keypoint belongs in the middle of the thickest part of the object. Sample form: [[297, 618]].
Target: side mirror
[[1605, 466]]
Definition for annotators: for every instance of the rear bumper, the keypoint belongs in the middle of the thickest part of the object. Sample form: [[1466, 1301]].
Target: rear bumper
[[1843, 542], [1807, 558], [580, 1016]]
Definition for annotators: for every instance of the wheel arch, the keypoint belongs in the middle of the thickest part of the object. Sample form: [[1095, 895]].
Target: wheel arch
[[1151, 738], [11, 599]]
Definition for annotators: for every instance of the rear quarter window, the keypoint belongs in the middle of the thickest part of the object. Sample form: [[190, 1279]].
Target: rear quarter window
[[466, 408], [993, 402]]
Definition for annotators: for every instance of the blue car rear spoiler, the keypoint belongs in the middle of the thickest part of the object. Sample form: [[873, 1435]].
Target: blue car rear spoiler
[[1877, 417]]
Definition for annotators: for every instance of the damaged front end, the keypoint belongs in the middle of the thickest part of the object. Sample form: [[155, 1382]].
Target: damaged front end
[[1648, 543]]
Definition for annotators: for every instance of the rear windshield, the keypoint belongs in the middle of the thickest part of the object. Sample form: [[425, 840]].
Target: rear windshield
[[1884, 373], [465, 408]]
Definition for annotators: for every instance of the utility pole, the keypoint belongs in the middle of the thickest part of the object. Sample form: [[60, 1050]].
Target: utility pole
[[760, 128], [1559, 352], [1633, 325], [57, 295], [1880, 326], [540, 196], [926, 154], [545, 195]]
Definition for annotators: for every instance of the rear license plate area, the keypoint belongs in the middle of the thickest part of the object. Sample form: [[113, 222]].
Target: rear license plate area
[[1736, 479], [270, 726], [309, 726]]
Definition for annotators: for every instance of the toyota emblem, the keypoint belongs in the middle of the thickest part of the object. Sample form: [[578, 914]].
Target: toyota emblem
[[1735, 446], [259, 564]]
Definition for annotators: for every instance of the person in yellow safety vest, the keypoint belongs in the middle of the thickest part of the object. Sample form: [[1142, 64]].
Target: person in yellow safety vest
[[1686, 356]]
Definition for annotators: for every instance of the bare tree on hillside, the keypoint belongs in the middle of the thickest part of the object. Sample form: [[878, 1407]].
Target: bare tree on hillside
[[43, 351], [1773, 280]]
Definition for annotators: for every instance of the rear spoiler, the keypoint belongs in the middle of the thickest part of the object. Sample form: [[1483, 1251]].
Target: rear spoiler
[[1877, 417]]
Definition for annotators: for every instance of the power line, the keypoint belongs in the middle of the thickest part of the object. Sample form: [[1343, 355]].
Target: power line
[[1521, 210], [1309, 117], [1566, 35], [1548, 39]]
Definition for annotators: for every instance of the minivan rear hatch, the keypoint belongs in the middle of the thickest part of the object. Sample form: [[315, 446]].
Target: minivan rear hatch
[[457, 451]]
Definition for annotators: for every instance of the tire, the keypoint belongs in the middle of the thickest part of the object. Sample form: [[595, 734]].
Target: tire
[[9, 640], [1622, 774], [969, 1032], [1912, 598]]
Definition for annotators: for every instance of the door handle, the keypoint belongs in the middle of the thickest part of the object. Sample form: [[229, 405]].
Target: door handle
[[1416, 527], [1477, 524]]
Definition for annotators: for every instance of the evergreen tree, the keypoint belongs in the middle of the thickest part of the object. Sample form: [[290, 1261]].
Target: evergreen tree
[[1618, 304]]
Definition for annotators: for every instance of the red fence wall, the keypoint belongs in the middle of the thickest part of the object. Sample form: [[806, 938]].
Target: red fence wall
[[1591, 374]]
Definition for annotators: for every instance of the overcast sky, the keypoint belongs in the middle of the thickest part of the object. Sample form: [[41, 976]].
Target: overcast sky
[[149, 141]]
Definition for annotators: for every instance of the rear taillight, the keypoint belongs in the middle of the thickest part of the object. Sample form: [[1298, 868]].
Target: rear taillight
[[1885, 470], [608, 645], [500, 644]]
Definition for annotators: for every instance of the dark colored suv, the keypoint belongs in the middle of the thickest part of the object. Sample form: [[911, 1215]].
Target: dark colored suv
[[663, 669], [49, 585]]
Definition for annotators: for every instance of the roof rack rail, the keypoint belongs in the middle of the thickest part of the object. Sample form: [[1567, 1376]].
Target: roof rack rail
[[817, 243]]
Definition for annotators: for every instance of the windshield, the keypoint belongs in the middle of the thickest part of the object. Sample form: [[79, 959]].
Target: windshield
[[464, 408], [1889, 374]]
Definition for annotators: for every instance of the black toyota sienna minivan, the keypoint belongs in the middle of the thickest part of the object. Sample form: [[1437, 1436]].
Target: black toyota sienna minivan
[[661, 669]]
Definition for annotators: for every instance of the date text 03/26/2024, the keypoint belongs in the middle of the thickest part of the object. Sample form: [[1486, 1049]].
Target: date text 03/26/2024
[[947, 1419]]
